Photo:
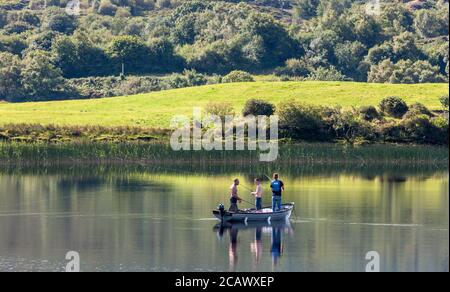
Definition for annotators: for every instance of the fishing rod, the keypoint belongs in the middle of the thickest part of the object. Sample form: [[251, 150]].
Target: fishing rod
[[248, 202]]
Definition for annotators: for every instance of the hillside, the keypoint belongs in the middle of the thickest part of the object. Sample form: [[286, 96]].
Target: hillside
[[156, 109], [45, 49]]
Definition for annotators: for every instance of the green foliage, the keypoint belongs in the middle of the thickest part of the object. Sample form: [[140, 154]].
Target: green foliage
[[10, 85], [78, 57], [420, 129], [405, 71], [431, 23], [369, 113], [444, 102], [12, 44], [301, 122], [258, 107], [220, 109], [58, 20], [294, 67], [327, 74], [40, 77], [394, 106], [403, 42], [238, 76], [417, 109]]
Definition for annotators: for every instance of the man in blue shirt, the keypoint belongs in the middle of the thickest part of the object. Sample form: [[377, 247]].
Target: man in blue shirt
[[277, 187]]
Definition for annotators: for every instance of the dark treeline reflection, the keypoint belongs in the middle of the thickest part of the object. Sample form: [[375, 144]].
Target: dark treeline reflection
[[86, 171]]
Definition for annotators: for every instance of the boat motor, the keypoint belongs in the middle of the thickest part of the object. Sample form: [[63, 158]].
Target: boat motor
[[221, 209]]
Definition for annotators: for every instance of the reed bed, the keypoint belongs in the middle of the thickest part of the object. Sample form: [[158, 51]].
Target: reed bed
[[160, 153]]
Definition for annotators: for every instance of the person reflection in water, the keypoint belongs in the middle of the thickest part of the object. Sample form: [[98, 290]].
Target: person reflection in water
[[256, 247], [277, 246], [232, 251]]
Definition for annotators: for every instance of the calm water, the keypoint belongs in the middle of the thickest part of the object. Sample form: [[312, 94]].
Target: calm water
[[149, 220]]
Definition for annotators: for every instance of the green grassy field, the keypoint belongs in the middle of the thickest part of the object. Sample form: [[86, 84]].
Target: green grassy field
[[156, 109]]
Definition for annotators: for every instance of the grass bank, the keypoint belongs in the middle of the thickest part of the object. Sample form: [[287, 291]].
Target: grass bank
[[155, 110]]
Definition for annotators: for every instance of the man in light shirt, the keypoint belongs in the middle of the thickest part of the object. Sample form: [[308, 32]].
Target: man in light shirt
[[258, 194]]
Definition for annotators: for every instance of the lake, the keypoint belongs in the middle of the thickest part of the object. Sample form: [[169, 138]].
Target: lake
[[122, 218]]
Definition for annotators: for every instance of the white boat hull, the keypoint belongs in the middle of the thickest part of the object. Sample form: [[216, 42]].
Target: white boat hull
[[252, 215]]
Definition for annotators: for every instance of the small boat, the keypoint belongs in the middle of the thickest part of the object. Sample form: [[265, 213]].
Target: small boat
[[253, 215]]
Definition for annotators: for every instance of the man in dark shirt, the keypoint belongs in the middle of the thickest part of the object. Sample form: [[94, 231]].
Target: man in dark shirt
[[277, 187]]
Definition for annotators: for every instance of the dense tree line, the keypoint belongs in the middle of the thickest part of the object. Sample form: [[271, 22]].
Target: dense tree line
[[397, 42]]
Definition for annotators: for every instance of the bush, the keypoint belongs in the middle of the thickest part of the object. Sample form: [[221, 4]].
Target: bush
[[394, 106], [369, 113], [444, 102], [301, 122], [220, 109], [442, 127], [417, 109], [238, 76], [347, 125], [327, 74], [420, 129], [258, 107], [293, 67], [391, 131]]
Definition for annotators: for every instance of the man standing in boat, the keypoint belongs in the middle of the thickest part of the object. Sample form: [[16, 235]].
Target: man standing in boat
[[277, 187], [258, 194], [234, 198]]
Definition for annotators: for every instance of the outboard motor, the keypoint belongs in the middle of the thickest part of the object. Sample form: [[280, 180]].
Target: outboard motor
[[222, 211]]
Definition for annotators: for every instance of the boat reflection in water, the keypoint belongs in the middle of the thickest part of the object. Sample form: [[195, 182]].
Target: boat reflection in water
[[261, 230]]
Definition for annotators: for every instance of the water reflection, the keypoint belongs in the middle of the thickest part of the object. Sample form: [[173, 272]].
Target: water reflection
[[275, 230], [139, 219]]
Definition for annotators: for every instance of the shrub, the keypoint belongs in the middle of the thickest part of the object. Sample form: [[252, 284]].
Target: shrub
[[301, 121], [442, 127], [369, 113], [238, 76], [420, 129], [220, 109], [258, 107], [327, 74], [417, 109], [293, 67], [194, 78], [394, 106], [347, 125], [444, 102], [107, 8], [391, 131]]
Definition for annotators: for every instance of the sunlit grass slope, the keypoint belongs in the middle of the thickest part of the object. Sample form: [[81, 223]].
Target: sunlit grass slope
[[156, 109]]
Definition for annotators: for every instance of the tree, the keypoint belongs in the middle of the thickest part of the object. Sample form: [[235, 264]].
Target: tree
[[10, 79], [162, 56], [405, 71], [429, 23], [395, 18], [13, 44], [349, 56], [131, 51], [404, 47], [381, 73], [107, 8], [78, 57], [305, 9], [40, 78], [274, 40], [58, 20]]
